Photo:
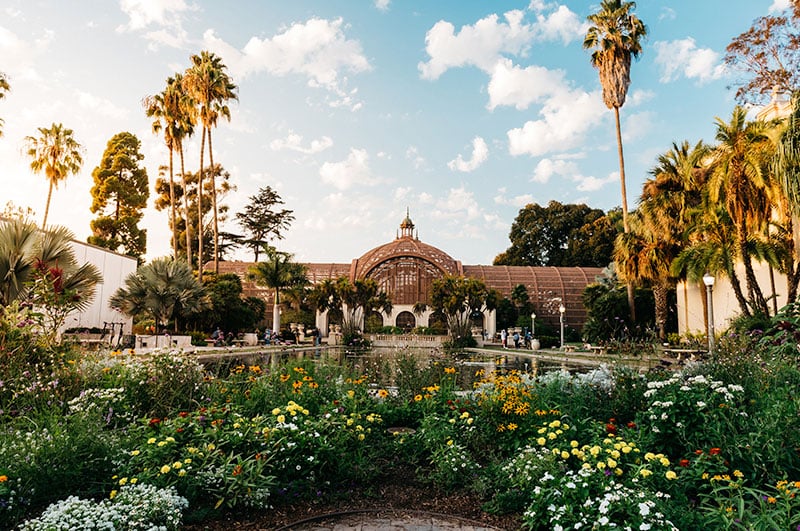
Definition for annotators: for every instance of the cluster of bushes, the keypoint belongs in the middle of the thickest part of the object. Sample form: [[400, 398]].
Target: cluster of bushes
[[713, 446]]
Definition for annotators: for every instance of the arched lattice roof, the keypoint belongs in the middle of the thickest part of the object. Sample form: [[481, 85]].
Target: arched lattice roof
[[405, 246], [547, 287]]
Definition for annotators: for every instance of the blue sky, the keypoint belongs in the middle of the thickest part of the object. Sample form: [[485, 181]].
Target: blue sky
[[462, 111]]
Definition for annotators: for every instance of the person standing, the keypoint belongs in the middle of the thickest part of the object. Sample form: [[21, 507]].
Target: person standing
[[504, 338]]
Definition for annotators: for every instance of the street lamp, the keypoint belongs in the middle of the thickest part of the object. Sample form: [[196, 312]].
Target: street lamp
[[708, 280], [561, 310], [533, 324]]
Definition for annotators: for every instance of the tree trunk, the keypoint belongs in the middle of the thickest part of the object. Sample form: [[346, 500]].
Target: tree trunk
[[186, 211], [626, 228], [172, 206], [753, 289], [660, 292], [737, 291], [47, 205], [200, 210], [214, 203]]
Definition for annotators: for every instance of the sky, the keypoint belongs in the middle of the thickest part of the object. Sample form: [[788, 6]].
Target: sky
[[461, 111]]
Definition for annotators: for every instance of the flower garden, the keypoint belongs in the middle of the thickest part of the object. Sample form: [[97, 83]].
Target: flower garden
[[120, 440]]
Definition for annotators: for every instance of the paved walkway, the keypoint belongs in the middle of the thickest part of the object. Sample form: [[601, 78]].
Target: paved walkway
[[371, 521]]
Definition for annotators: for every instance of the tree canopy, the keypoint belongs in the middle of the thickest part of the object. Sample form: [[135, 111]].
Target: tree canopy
[[560, 235], [263, 220], [119, 196]]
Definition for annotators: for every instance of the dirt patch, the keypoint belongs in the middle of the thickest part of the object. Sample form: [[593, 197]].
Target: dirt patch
[[393, 495]]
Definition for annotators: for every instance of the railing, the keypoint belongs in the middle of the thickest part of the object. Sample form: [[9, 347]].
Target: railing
[[391, 340]]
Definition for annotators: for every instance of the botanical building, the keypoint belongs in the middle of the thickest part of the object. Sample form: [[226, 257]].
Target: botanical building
[[406, 267]]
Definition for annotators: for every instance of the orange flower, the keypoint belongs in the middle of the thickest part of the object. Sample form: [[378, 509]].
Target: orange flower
[[714, 451], [683, 462], [237, 470], [3, 478]]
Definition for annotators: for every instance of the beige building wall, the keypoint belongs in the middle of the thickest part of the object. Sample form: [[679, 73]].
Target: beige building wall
[[691, 300]]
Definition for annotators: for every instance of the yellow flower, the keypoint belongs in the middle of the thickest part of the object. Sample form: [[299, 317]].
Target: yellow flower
[[612, 463], [574, 444], [552, 436], [417, 398], [771, 499], [738, 473], [281, 419], [671, 474], [165, 469], [465, 415], [351, 393], [649, 456], [601, 465], [187, 461], [664, 461], [512, 426], [123, 481], [469, 420], [182, 473], [450, 442], [541, 441], [177, 464], [113, 494], [161, 443], [450, 370], [564, 455], [555, 424], [151, 440], [135, 452], [645, 472], [133, 481]]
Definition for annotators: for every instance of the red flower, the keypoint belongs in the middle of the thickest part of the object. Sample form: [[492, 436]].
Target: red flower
[[154, 422], [611, 428], [631, 424], [183, 414], [714, 451], [698, 452], [684, 463]]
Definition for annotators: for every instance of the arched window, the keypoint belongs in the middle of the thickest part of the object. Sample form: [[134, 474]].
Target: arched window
[[406, 321], [373, 322], [406, 279]]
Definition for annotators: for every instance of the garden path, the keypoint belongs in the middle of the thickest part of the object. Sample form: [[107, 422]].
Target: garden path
[[387, 521]]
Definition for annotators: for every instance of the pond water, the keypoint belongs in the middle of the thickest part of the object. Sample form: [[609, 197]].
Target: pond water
[[383, 366]]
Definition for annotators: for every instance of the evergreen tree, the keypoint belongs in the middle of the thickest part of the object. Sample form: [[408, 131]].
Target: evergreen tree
[[119, 196], [262, 220]]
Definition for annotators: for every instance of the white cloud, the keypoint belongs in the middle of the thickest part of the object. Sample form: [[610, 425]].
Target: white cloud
[[349, 172], [592, 184], [518, 201], [566, 117], [294, 142], [401, 193], [417, 160], [383, 5], [425, 198], [520, 87], [164, 15], [637, 125], [19, 55], [480, 152], [667, 13], [547, 168], [779, 5], [317, 49], [458, 203], [101, 106], [683, 57], [562, 24], [479, 45]]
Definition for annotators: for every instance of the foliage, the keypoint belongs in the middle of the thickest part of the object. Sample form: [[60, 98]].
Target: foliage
[[132, 508], [767, 55], [559, 235], [229, 310], [119, 196], [458, 298], [603, 447], [164, 289], [261, 219], [55, 153], [352, 300], [280, 273], [608, 316]]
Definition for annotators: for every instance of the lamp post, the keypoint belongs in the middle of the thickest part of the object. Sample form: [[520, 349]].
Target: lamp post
[[708, 280], [561, 310], [533, 324]]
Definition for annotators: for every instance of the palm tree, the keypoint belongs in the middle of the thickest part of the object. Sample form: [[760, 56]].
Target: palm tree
[[740, 180], [57, 153], [786, 168], [164, 289], [615, 37], [41, 267], [173, 112], [4, 88], [210, 87], [278, 273], [658, 228]]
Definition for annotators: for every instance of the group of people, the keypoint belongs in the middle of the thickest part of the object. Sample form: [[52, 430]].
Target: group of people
[[269, 337], [516, 337]]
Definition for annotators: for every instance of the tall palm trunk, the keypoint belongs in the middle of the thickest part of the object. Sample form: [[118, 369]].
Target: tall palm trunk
[[200, 209], [737, 291], [186, 209], [276, 312], [47, 205], [172, 205], [625, 226], [753, 289], [214, 203]]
